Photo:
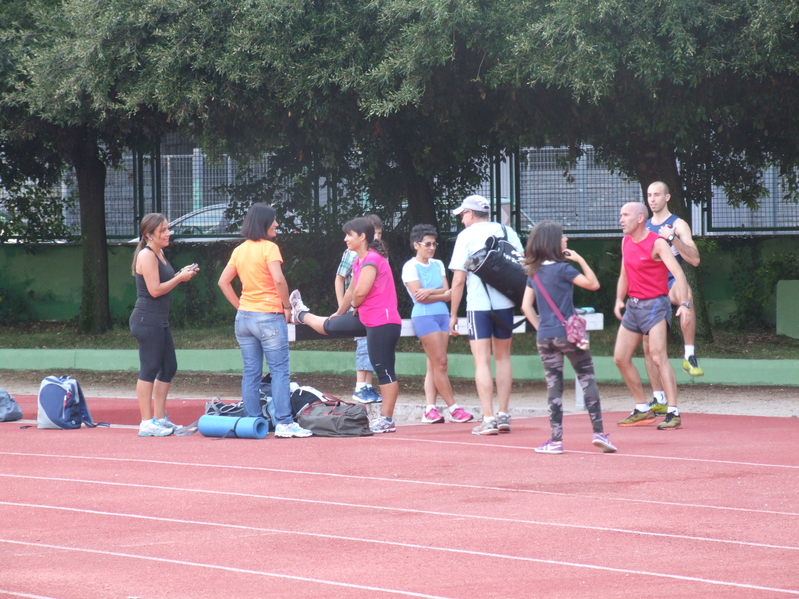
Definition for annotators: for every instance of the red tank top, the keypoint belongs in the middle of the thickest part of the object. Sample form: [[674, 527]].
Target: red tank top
[[646, 277]]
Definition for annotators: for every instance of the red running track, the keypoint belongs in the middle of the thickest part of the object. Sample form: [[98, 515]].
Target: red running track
[[711, 510]]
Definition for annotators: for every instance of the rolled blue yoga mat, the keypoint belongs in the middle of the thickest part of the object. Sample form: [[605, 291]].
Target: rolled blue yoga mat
[[228, 426]]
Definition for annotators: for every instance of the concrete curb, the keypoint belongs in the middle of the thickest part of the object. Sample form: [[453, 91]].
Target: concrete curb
[[717, 371]]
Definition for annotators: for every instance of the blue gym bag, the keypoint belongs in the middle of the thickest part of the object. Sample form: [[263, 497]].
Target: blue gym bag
[[62, 405]]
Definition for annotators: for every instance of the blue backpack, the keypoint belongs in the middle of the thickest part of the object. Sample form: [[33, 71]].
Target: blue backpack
[[62, 405]]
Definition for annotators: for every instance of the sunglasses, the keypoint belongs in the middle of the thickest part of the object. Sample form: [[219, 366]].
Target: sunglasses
[[428, 244]]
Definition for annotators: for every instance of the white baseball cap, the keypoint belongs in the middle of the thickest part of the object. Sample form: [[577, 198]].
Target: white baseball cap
[[476, 203]]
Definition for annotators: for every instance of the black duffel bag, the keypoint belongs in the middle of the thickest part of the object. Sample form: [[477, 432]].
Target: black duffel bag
[[499, 265]]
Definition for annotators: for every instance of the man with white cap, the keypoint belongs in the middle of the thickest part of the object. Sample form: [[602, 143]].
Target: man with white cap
[[489, 314]]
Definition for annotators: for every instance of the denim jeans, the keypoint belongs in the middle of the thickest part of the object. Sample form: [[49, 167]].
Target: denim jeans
[[264, 334]]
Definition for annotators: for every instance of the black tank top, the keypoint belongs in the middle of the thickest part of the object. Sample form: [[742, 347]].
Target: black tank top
[[151, 310]]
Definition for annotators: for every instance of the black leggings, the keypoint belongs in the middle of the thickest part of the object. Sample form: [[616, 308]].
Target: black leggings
[[382, 344], [381, 341], [156, 352]]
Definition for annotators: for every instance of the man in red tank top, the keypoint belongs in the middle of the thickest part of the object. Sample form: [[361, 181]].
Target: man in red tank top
[[646, 262]]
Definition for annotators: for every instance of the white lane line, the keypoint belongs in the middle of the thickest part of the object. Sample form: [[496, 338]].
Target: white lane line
[[26, 595], [410, 482], [723, 583], [415, 511], [163, 560], [614, 456]]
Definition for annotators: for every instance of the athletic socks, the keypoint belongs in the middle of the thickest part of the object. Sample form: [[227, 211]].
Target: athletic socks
[[660, 397], [453, 407], [673, 410], [359, 386], [642, 407], [689, 351]]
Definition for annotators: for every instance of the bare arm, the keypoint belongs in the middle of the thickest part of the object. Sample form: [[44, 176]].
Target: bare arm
[[683, 241], [458, 284], [429, 296], [663, 252], [588, 279], [340, 291], [225, 280], [147, 266], [621, 292], [527, 307], [365, 282], [282, 287]]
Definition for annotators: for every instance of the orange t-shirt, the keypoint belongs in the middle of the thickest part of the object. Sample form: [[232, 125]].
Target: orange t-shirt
[[258, 291]]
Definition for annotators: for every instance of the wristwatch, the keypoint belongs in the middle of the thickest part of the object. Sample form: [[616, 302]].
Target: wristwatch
[[671, 237], [686, 304]]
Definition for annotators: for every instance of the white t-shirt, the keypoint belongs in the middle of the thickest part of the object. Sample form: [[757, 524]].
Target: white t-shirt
[[470, 240]]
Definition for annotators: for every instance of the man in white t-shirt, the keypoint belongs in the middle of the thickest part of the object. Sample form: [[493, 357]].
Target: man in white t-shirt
[[489, 314]]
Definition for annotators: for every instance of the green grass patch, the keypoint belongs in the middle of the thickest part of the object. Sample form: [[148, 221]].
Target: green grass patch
[[763, 345]]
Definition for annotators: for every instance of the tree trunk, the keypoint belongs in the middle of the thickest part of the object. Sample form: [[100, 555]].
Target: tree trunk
[[90, 172], [419, 191], [655, 162]]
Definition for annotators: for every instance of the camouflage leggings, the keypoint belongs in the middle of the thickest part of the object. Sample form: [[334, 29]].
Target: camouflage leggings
[[552, 351]]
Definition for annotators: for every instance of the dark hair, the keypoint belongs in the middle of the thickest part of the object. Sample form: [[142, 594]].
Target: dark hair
[[543, 244], [376, 222], [363, 226], [419, 232], [148, 225], [257, 222]]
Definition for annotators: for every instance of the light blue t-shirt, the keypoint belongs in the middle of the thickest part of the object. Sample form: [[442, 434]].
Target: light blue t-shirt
[[430, 276], [470, 240]]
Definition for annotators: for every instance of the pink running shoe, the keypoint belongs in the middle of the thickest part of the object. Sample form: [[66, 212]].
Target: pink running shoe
[[461, 415], [432, 416]]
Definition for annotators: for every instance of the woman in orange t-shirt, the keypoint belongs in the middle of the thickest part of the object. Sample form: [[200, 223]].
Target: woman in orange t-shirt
[[263, 311]]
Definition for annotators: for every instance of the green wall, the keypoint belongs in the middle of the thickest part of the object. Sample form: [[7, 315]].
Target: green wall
[[47, 278]]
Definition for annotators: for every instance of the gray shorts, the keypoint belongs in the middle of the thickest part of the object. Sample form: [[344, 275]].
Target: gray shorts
[[641, 315]]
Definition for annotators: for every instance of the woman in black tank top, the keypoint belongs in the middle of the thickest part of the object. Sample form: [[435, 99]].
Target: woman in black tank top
[[155, 279]]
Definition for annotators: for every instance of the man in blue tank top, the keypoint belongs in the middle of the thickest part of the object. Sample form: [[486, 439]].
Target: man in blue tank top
[[678, 233]]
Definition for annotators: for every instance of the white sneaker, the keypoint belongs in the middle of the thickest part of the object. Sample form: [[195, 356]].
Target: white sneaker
[[297, 306], [153, 428], [286, 431]]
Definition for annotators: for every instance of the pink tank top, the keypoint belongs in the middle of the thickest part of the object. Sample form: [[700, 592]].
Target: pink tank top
[[380, 305], [647, 278]]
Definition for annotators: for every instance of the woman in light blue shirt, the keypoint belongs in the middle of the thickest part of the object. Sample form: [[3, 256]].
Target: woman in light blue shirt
[[426, 281]]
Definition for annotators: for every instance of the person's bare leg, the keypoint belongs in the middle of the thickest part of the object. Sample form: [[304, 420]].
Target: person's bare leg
[[435, 346], [626, 342], [430, 393], [504, 371], [481, 352], [317, 323], [390, 393], [160, 391], [652, 371], [144, 393], [658, 345]]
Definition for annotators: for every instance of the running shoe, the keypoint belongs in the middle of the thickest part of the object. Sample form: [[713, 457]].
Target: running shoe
[[486, 428], [286, 431], [381, 424], [601, 440], [657, 408], [376, 397], [153, 428], [691, 367], [363, 395], [297, 306], [432, 416], [553, 447], [167, 423], [672, 422], [503, 423], [460, 415], [638, 418]]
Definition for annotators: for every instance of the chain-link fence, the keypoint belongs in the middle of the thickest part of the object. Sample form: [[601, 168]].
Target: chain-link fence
[[585, 198]]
